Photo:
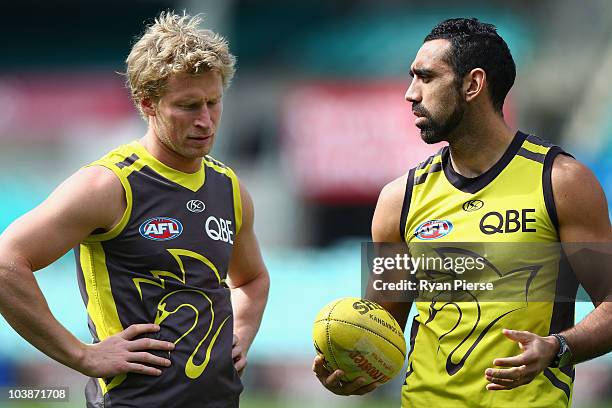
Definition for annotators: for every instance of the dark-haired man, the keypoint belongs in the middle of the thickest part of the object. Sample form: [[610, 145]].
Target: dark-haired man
[[460, 350]]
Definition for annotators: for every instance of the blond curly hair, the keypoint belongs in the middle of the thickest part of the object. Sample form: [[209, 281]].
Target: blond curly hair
[[174, 44]]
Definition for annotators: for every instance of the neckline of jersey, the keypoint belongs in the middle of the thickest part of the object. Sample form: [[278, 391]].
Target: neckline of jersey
[[475, 184], [191, 181]]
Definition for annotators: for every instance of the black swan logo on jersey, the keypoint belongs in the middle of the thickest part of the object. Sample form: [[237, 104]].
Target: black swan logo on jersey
[[472, 205], [471, 319], [186, 301]]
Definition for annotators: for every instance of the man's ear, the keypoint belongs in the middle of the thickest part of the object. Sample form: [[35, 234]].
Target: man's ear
[[148, 107], [474, 83]]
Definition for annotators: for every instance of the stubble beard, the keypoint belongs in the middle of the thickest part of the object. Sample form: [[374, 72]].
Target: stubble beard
[[185, 151], [434, 131]]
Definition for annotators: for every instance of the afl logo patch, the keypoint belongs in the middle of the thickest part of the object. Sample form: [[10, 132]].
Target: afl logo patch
[[473, 205], [196, 206], [433, 229], [161, 228]]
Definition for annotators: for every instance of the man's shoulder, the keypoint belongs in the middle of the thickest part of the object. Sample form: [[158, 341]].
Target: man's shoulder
[[218, 166], [392, 207], [569, 175], [119, 156], [572, 181], [393, 192], [431, 160], [386, 220], [395, 189], [211, 161]]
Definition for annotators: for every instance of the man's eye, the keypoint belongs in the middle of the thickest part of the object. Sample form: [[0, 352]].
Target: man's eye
[[189, 106], [213, 102]]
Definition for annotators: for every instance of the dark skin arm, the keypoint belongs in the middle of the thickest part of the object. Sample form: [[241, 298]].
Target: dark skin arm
[[582, 211], [385, 228]]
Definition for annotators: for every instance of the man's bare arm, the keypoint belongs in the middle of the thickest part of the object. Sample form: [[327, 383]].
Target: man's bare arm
[[582, 212], [91, 199], [385, 228], [583, 218], [249, 282]]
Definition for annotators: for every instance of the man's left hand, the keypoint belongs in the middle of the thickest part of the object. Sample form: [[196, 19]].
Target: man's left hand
[[238, 355], [537, 353]]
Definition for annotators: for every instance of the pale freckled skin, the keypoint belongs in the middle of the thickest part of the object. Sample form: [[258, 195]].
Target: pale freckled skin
[[184, 121]]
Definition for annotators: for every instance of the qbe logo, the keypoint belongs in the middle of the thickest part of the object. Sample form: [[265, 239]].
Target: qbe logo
[[161, 228], [219, 229], [433, 229]]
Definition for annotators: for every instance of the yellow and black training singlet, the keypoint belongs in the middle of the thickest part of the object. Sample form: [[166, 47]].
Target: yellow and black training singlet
[[453, 343], [166, 263]]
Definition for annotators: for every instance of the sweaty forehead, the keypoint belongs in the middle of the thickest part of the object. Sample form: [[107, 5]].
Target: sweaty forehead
[[433, 56]]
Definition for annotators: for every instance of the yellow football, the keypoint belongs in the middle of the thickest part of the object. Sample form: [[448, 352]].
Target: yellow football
[[361, 338]]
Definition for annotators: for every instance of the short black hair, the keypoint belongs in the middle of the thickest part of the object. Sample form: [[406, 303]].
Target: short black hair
[[475, 44]]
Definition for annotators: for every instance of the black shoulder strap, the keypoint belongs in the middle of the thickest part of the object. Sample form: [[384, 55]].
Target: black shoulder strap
[[549, 199], [406, 204]]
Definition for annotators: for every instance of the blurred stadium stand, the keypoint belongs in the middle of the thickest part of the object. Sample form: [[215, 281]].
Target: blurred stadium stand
[[63, 106]]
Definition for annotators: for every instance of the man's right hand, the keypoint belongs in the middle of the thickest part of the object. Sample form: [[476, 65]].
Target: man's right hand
[[120, 354], [332, 382]]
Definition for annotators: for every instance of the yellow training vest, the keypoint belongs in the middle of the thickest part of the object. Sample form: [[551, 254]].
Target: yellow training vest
[[453, 343]]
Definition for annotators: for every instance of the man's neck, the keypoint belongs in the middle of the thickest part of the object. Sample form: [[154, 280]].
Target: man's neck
[[167, 156], [477, 147]]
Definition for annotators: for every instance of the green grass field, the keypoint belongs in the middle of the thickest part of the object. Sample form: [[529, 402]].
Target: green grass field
[[253, 402], [261, 401], [247, 403]]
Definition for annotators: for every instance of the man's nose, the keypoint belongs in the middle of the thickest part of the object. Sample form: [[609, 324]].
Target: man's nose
[[412, 93], [204, 120]]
